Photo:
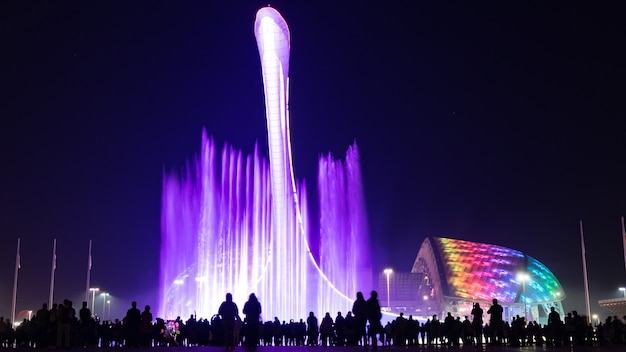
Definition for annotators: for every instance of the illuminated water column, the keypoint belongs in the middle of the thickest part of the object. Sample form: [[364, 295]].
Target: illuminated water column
[[289, 260], [236, 223], [216, 230], [344, 249]]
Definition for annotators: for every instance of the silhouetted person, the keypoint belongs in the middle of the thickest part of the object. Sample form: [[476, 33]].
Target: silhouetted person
[[132, 321], [399, 337], [84, 314], [555, 327], [340, 330], [326, 330], [252, 310], [228, 310], [359, 313], [53, 325], [495, 321], [477, 323], [145, 327], [4, 328], [467, 332], [312, 330], [66, 315], [43, 321], [374, 315], [86, 326], [448, 326], [6, 333], [412, 331], [580, 329]]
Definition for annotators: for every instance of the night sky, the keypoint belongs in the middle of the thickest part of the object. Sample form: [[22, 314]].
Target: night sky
[[485, 121]]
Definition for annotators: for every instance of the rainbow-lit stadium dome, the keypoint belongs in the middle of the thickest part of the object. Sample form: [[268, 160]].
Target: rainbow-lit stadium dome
[[455, 274]]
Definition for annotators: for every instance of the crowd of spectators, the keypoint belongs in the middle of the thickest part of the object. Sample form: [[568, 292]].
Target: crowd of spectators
[[60, 327]]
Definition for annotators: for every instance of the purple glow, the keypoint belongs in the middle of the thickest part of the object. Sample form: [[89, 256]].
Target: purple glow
[[239, 224], [344, 242]]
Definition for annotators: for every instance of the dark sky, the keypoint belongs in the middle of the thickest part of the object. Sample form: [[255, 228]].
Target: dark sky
[[486, 121]]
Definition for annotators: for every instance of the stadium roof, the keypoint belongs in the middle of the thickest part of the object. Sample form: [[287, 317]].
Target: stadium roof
[[481, 272], [616, 306]]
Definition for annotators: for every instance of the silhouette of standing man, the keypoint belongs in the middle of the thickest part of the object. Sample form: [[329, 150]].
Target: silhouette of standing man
[[477, 323], [252, 310], [359, 311], [132, 321], [228, 311], [495, 320], [373, 316]]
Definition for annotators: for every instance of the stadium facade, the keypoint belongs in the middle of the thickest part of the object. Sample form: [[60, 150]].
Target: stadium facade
[[450, 275]]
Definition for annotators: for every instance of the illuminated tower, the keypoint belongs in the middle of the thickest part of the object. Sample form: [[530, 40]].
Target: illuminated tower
[[288, 260], [238, 224], [331, 282]]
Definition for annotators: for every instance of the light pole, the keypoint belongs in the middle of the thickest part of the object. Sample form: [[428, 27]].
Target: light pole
[[523, 277], [104, 302], [109, 310], [93, 299], [623, 289], [388, 272], [596, 319]]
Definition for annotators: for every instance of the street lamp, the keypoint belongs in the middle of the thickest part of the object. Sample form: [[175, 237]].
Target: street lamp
[[104, 301], [523, 277], [388, 272], [109, 310], [596, 318], [623, 289], [93, 291]]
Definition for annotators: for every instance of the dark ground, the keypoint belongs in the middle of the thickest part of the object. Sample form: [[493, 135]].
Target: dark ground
[[350, 349]]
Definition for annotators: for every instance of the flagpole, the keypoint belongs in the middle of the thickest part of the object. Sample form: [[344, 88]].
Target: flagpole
[[52, 272], [586, 280], [624, 240], [88, 274], [17, 268]]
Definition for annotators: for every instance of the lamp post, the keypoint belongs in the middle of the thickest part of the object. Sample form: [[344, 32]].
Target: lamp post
[[523, 277], [109, 310], [93, 298], [388, 272], [596, 319], [104, 302], [623, 289]]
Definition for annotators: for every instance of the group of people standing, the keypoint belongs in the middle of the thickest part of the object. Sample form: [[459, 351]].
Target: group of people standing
[[229, 313], [61, 327], [367, 311], [363, 312]]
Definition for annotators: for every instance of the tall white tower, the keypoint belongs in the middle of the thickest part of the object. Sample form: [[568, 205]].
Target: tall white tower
[[289, 265]]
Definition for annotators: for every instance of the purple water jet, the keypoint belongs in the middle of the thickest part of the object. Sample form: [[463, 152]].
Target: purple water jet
[[239, 223]]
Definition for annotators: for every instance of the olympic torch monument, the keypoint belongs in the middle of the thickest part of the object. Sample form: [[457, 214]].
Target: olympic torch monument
[[240, 224]]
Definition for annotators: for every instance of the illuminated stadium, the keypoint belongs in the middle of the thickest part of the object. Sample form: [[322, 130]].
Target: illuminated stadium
[[450, 275]]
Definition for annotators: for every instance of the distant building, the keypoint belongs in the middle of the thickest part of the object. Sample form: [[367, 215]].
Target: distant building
[[617, 306], [451, 275], [407, 292]]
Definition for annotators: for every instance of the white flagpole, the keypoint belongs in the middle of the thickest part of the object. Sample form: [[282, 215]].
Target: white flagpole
[[88, 274], [586, 280], [17, 268], [54, 268], [624, 240]]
